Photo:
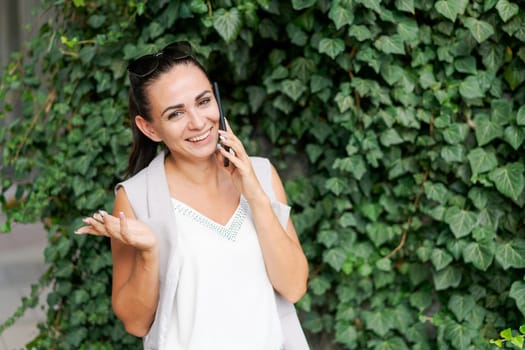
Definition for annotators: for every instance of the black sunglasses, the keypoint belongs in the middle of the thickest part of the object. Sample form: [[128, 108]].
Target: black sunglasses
[[147, 64]]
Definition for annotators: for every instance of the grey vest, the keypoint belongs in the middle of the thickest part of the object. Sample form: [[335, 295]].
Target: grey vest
[[149, 196]]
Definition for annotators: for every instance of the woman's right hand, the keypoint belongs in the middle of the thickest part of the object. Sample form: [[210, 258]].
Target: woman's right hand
[[131, 232]]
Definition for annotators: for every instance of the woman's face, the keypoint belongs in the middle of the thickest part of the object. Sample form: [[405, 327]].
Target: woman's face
[[184, 112]]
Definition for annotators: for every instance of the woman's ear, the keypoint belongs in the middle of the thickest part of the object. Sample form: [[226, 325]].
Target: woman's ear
[[146, 128]]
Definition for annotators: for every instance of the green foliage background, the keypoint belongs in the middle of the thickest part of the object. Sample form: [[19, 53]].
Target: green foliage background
[[399, 126]]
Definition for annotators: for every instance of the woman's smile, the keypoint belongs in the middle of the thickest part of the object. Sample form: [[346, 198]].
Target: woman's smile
[[200, 138]]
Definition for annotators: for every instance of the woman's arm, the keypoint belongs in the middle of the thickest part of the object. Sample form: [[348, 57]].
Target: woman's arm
[[285, 261], [135, 287]]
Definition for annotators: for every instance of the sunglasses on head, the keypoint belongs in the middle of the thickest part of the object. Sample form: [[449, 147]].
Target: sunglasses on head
[[147, 64]]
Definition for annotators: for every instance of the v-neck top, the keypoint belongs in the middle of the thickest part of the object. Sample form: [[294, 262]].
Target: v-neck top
[[224, 299]]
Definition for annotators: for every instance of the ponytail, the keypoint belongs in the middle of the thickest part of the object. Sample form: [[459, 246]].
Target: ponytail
[[143, 149]]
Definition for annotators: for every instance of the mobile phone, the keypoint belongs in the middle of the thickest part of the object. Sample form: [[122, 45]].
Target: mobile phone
[[222, 122]]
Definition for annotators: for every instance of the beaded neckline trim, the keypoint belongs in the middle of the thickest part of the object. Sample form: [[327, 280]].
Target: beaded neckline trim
[[228, 231]]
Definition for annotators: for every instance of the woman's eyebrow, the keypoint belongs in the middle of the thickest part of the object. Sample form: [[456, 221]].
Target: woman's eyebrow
[[182, 104]]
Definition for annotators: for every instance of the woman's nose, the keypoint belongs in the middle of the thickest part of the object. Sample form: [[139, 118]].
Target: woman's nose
[[196, 119]]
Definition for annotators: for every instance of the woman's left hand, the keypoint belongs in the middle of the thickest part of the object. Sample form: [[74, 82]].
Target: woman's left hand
[[240, 167]]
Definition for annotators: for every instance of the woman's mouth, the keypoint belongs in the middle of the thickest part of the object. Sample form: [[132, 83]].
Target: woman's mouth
[[200, 137]]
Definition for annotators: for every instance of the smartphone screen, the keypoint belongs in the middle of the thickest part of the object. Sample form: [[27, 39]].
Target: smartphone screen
[[222, 122]]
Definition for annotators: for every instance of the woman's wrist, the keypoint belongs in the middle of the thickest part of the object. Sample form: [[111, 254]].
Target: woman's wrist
[[149, 255]]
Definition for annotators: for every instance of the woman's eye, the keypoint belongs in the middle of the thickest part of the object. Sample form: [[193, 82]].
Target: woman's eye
[[175, 114], [205, 101]]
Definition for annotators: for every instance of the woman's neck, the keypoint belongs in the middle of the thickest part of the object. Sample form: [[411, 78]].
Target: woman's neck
[[198, 172]]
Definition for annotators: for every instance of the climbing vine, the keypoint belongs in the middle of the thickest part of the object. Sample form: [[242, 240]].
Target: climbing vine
[[398, 126]]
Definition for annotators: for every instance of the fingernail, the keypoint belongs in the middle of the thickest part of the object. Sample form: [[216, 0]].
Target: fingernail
[[77, 232], [223, 138]]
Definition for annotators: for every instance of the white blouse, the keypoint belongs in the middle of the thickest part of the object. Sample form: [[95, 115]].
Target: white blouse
[[224, 299]]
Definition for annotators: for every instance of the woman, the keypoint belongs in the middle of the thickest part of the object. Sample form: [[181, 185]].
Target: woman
[[204, 256]]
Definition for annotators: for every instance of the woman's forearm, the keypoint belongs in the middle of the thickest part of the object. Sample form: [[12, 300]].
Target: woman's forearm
[[136, 301], [285, 261]]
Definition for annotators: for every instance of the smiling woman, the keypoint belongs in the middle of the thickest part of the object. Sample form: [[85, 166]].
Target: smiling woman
[[205, 256]]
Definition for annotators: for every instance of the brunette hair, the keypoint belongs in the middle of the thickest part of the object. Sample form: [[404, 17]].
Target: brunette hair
[[143, 148]]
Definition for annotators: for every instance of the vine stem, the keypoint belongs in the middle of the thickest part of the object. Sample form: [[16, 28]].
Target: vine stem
[[45, 108], [210, 11], [409, 221]]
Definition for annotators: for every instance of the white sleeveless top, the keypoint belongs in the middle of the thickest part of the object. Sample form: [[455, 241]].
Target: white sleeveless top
[[224, 299]]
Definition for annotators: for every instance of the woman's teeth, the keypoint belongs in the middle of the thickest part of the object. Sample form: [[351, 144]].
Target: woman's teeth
[[200, 138]]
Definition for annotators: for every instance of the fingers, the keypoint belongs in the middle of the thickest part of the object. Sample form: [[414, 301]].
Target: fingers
[[236, 148], [99, 224], [123, 223]]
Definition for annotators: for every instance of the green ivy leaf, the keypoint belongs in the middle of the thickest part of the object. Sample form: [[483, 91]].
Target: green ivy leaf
[[514, 136], [506, 9], [313, 151], [319, 82], [319, 285], [492, 55], [335, 258], [293, 88], [461, 306], [384, 264], [340, 15], [448, 8], [466, 65], [390, 137], [520, 117], [517, 292], [421, 299], [380, 321], [371, 4], [514, 74], [461, 334], [450, 276], [453, 153], [471, 88], [392, 44], [479, 29], [461, 222], [96, 21], [405, 5], [436, 191], [198, 6], [302, 4], [511, 254], [328, 237], [227, 23], [331, 47], [480, 255], [380, 233], [354, 164], [501, 111], [391, 73], [481, 161], [344, 101], [486, 130], [256, 96], [297, 35], [408, 29], [360, 32], [509, 179], [394, 343], [440, 259], [336, 185]]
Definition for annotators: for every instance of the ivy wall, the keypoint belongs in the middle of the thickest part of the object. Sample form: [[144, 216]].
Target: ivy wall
[[398, 125]]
